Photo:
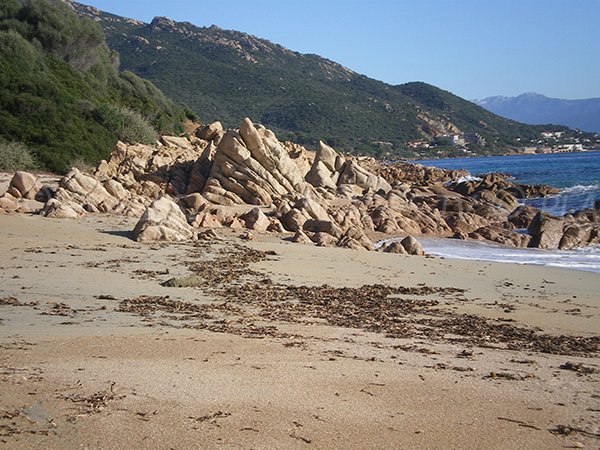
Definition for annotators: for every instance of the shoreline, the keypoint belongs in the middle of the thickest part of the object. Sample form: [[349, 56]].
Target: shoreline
[[585, 259]]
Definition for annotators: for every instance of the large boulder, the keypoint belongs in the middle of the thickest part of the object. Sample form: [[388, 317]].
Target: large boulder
[[412, 246], [8, 204], [210, 132], [395, 247], [26, 184], [256, 220], [546, 231], [163, 221], [54, 209], [324, 171], [522, 216]]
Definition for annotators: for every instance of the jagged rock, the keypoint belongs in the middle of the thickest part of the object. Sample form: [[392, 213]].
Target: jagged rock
[[546, 231], [210, 132], [320, 176], [26, 184], [293, 220], [412, 246], [54, 209], [163, 221], [463, 222], [75, 187], [234, 223], [301, 238], [301, 157], [27, 206], [499, 198], [575, 235], [116, 189], [324, 239], [348, 242], [275, 226], [352, 173], [193, 203], [206, 220], [323, 172], [256, 220], [522, 216], [501, 236], [323, 226], [176, 142], [251, 166], [8, 204], [395, 247], [311, 209]]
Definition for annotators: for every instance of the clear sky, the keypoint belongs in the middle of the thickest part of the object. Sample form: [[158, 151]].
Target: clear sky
[[473, 48]]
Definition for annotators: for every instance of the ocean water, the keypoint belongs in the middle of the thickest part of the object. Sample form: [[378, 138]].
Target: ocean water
[[576, 174]]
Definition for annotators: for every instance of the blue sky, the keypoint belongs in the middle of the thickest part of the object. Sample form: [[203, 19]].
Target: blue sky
[[473, 48]]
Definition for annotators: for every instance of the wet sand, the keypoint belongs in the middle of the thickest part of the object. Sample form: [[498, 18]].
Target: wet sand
[[99, 349]]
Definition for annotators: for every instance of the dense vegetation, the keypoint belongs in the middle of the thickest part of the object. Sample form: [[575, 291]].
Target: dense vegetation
[[227, 75], [62, 97]]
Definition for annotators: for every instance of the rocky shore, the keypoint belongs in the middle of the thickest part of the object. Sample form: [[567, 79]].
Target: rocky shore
[[247, 179]]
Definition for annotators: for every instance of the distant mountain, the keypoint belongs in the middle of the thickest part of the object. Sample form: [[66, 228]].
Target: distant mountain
[[227, 75], [62, 96], [536, 109]]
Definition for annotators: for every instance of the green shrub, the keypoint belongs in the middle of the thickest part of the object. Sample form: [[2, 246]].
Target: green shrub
[[128, 125], [82, 165], [16, 156]]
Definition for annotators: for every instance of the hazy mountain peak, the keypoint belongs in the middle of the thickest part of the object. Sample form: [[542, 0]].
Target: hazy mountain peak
[[537, 109]]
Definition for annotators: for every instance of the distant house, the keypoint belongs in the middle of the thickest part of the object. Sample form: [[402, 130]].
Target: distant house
[[552, 134]]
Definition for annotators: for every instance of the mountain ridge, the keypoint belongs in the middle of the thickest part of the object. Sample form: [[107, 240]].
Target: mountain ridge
[[227, 75], [538, 109]]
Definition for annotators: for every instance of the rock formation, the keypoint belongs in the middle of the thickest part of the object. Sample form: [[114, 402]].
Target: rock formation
[[163, 220], [247, 178]]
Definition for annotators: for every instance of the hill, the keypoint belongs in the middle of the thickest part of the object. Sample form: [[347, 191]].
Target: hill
[[537, 109], [62, 96], [226, 75]]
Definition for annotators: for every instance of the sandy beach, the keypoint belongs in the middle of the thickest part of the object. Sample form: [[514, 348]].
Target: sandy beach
[[281, 345]]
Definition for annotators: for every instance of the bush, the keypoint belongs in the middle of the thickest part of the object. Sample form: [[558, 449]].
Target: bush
[[128, 125], [16, 156], [82, 165]]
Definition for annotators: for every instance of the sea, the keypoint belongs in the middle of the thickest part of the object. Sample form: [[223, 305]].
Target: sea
[[576, 174]]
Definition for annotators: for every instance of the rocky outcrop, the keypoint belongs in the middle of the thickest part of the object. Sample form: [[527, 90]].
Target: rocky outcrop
[[251, 166], [331, 170], [497, 189], [181, 186], [163, 220]]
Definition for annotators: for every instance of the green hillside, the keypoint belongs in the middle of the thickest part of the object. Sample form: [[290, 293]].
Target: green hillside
[[61, 93], [227, 75]]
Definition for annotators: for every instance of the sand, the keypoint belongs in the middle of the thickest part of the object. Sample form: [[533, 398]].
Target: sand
[[239, 361]]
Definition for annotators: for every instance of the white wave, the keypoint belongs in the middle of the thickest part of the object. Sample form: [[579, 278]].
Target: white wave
[[580, 189], [587, 259], [465, 179]]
